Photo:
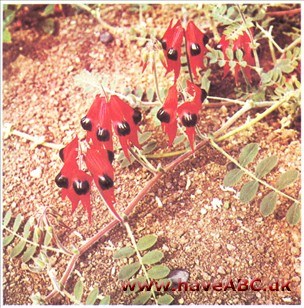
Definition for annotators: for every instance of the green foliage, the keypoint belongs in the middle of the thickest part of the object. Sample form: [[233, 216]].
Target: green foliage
[[294, 214], [155, 271], [249, 189]]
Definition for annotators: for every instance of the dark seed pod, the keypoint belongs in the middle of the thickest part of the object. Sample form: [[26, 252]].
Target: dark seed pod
[[136, 116], [110, 156], [61, 155], [61, 181], [164, 44], [195, 49], [172, 54], [231, 166], [102, 134], [163, 116], [189, 119], [205, 39], [81, 187], [123, 128], [86, 123], [203, 95], [105, 182]]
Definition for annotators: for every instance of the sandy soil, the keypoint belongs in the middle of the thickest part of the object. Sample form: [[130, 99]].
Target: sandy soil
[[210, 242]]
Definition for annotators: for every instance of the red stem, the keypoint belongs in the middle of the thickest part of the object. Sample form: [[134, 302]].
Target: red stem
[[281, 13]]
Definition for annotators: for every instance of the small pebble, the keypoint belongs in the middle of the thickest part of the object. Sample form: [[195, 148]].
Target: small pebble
[[106, 37], [36, 173]]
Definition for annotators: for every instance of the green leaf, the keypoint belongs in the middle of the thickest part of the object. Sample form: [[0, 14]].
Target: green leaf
[[48, 26], [8, 239], [124, 252], [294, 214], [248, 191], [7, 218], [268, 203], [232, 64], [9, 17], [221, 63], [165, 299], [30, 251], [152, 257], [179, 139], [139, 92], [91, 299], [49, 9], [286, 179], [265, 166], [105, 300], [127, 271], [146, 242], [248, 154], [142, 298], [78, 290], [233, 177], [48, 236], [17, 249], [239, 55], [144, 137], [17, 223], [229, 53], [148, 148], [158, 272], [27, 228], [7, 38], [136, 281], [150, 94], [243, 63]]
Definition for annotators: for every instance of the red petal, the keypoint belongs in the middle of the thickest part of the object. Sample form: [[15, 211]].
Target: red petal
[[195, 36], [70, 149]]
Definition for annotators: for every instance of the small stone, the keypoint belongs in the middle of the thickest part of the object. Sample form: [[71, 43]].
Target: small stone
[[203, 211], [36, 173], [181, 301], [217, 245], [221, 270], [206, 277], [230, 247], [106, 37], [295, 251]]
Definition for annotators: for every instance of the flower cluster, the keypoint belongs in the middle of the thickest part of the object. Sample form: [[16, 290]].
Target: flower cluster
[[187, 112], [242, 43], [99, 121], [195, 47]]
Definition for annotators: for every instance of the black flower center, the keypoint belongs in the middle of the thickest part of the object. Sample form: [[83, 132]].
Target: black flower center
[[195, 49], [123, 128], [110, 156], [105, 182], [203, 95], [81, 187], [61, 181], [163, 116], [86, 123], [205, 39], [102, 134], [164, 44], [189, 119], [136, 116], [172, 54]]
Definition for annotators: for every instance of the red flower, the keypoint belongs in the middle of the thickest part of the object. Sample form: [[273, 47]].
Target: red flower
[[188, 112], [70, 149], [99, 164], [74, 182], [125, 119], [97, 123], [243, 43], [167, 114], [196, 49], [171, 43]]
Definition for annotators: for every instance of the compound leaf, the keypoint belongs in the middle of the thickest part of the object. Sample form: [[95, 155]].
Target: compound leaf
[[30, 251], [286, 179], [248, 154], [158, 272], [248, 191], [128, 271], [265, 166], [233, 177], [124, 252], [152, 257], [268, 203], [146, 242], [294, 214]]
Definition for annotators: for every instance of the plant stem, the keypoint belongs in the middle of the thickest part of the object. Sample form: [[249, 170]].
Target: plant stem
[[36, 244], [133, 241], [253, 42], [145, 163], [272, 52], [252, 122], [284, 13], [222, 151], [155, 77], [166, 154]]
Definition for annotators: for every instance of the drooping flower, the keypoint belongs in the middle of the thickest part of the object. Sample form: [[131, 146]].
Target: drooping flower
[[171, 43], [70, 149], [99, 164], [97, 123], [125, 122], [167, 114], [188, 112], [196, 49], [75, 183]]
